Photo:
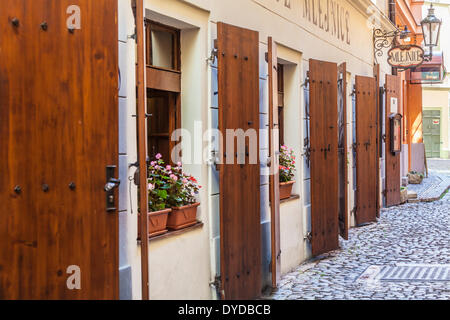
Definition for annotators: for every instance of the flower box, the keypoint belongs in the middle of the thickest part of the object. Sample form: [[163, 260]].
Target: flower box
[[403, 195], [157, 223], [286, 189], [182, 217], [415, 178]]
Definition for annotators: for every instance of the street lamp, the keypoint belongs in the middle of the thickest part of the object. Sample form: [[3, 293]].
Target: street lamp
[[431, 28]]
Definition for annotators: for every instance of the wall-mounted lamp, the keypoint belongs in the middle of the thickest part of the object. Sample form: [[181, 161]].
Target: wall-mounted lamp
[[431, 28]]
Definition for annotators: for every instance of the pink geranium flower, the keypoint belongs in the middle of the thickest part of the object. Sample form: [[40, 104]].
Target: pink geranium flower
[[158, 156]]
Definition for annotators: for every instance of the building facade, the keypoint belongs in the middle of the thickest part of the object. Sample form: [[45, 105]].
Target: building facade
[[188, 265], [296, 75]]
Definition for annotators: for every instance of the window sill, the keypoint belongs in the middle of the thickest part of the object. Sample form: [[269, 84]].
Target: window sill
[[175, 233], [292, 198]]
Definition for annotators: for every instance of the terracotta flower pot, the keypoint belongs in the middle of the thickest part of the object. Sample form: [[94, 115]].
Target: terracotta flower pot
[[415, 178], [157, 223], [182, 217], [286, 189]]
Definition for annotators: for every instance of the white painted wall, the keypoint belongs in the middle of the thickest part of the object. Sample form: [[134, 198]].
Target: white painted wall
[[183, 266], [129, 251]]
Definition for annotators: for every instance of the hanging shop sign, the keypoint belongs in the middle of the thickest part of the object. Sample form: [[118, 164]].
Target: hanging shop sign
[[406, 57]]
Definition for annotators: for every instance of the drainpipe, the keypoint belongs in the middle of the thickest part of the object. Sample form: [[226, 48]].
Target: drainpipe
[[392, 11], [392, 18], [142, 145]]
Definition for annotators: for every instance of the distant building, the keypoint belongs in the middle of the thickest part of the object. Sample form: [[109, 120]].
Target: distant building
[[436, 98]]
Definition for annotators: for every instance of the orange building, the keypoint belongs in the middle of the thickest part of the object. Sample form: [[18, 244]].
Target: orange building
[[408, 14]]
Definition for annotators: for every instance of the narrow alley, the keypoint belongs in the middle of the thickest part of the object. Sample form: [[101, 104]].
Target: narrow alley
[[414, 234]]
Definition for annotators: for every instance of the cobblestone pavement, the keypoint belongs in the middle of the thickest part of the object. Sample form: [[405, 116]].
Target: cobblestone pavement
[[413, 233], [437, 182], [439, 165]]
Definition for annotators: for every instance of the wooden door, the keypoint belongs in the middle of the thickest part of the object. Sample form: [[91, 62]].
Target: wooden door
[[58, 132], [343, 167], [392, 160], [274, 143], [366, 150], [324, 156], [432, 133], [240, 225]]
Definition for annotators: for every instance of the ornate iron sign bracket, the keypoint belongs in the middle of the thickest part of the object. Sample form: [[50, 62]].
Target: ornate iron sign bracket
[[383, 40]]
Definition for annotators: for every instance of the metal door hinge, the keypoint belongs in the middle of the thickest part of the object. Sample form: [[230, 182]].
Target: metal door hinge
[[217, 284], [147, 115], [308, 236], [306, 80], [307, 155], [212, 58], [384, 193], [353, 91]]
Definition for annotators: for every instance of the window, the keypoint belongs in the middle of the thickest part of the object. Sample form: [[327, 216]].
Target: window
[[280, 75], [163, 89], [163, 46], [162, 105]]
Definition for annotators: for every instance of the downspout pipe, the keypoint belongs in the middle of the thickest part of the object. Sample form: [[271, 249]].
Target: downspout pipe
[[392, 11]]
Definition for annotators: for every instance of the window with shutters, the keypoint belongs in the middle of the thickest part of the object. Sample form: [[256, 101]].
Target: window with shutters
[[163, 88], [167, 188]]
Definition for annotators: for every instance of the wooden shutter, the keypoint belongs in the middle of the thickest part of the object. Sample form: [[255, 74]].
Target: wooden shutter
[[392, 160], [274, 162], [343, 167], [240, 225], [366, 150], [58, 132], [378, 101], [324, 156]]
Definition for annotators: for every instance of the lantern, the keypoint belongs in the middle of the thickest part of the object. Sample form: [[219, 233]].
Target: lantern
[[431, 27]]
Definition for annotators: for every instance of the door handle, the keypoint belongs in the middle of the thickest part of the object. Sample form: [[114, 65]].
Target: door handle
[[111, 184]]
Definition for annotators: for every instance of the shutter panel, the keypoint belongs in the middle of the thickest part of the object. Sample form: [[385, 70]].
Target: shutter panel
[[392, 161], [343, 167], [324, 156], [238, 81], [274, 164], [378, 100], [366, 150]]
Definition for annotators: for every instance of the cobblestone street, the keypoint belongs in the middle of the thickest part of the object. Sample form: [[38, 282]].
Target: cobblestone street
[[415, 233]]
